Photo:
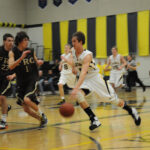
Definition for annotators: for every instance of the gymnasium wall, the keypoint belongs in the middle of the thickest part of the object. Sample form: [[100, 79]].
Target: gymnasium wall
[[81, 9], [13, 11]]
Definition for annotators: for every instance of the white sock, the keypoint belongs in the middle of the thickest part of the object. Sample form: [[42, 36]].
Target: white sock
[[4, 116], [63, 98], [40, 112]]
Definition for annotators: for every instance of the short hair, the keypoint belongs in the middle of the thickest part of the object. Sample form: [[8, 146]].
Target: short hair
[[20, 36], [80, 36], [68, 45], [115, 48], [7, 35]]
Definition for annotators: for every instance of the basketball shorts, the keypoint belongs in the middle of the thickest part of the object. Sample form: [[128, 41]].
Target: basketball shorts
[[5, 87], [29, 90], [116, 78], [69, 79], [102, 89]]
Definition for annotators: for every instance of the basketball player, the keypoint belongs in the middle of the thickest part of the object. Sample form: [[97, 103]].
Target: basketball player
[[117, 63], [90, 81], [5, 77], [66, 75], [24, 62], [132, 74]]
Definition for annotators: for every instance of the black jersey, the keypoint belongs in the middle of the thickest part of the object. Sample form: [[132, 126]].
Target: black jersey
[[27, 69], [4, 69]]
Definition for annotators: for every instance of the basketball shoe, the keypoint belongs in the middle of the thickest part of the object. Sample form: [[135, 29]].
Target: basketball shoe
[[43, 121], [3, 125], [136, 117], [94, 124]]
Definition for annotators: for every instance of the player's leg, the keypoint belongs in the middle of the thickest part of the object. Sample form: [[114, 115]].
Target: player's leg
[[3, 122], [121, 103], [61, 83], [85, 106]]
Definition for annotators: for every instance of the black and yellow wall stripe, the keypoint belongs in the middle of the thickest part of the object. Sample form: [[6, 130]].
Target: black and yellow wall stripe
[[129, 32]]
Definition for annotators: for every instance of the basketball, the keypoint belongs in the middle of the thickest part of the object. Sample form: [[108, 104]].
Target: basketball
[[66, 110]]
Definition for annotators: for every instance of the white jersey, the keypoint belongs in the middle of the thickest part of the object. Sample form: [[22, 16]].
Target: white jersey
[[66, 68], [92, 70], [115, 62]]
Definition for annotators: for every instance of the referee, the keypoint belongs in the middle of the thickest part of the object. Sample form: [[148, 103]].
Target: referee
[[132, 76]]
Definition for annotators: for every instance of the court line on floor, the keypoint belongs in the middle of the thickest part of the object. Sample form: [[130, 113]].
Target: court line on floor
[[85, 143], [64, 123], [8, 148]]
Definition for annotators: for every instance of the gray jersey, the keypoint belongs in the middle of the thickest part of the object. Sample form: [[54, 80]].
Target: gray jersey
[[131, 63]]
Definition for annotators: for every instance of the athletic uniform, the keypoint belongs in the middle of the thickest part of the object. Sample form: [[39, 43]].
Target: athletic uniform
[[93, 80], [115, 74], [26, 76], [66, 75], [4, 72]]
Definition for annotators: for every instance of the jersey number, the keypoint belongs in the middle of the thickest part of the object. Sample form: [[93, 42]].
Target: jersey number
[[27, 69], [65, 66]]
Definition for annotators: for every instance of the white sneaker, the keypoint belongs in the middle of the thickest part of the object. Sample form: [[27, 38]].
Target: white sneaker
[[136, 117], [94, 124]]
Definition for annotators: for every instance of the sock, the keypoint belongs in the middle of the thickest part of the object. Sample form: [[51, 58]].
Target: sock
[[63, 98], [39, 112], [90, 113], [4, 116], [127, 108]]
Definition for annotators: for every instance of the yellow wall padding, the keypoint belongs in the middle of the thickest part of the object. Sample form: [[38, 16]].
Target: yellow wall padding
[[101, 37], [122, 34], [82, 26], [47, 40], [143, 32], [63, 34]]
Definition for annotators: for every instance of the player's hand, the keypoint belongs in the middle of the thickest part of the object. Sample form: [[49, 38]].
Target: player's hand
[[63, 59], [40, 62], [74, 70], [25, 53], [120, 68], [74, 93], [10, 77]]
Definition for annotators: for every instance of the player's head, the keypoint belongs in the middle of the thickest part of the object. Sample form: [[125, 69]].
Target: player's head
[[78, 39], [67, 48], [129, 57], [22, 39], [114, 50], [8, 41]]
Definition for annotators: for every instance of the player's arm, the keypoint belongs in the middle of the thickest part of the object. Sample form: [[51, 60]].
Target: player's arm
[[69, 60], [123, 61], [85, 66], [38, 62], [11, 77], [12, 63], [108, 64]]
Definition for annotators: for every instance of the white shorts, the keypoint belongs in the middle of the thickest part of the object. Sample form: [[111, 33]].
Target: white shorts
[[97, 85], [69, 79], [116, 78]]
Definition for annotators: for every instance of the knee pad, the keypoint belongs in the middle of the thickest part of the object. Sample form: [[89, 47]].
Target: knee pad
[[80, 97]]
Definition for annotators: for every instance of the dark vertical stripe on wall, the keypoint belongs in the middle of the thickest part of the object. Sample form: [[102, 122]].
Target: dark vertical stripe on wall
[[56, 40], [111, 33], [91, 34], [72, 29], [132, 32]]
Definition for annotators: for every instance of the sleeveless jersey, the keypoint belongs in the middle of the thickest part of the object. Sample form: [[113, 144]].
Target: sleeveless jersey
[[66, 68], [115, 62], [92, 70], [4, 69], [27, 70]]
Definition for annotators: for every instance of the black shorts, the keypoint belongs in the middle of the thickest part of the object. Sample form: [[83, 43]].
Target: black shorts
[[28, 89], [5, 87]]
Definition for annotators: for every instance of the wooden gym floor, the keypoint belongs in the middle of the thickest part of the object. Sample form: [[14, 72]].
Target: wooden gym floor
[[117, 132]]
